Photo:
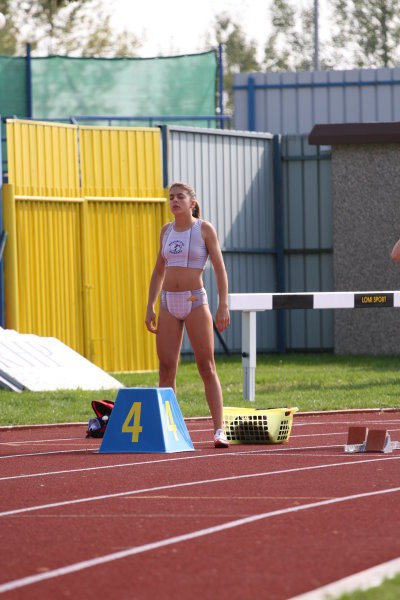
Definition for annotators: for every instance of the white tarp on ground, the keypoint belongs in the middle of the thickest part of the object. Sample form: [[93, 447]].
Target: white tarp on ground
[[35, 363]]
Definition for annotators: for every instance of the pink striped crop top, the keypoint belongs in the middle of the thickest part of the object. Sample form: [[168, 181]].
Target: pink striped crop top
[[185, 248]]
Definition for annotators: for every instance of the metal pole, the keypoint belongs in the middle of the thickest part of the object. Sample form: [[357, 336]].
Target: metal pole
[[316, 41], [28, 81], [249, 354], [220, 85], [251, 103], [279, 244]]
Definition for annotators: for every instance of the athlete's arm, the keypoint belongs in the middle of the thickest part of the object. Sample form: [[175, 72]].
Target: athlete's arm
[[395, 255], [222, 318], [155, 286]]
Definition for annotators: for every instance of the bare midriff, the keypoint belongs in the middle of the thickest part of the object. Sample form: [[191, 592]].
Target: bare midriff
[[182, 279]]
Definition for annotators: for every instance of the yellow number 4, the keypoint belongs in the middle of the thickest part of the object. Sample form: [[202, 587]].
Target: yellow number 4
[[133, 415], [170, 420]]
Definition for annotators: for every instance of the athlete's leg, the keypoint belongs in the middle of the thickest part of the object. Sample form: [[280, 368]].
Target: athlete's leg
[[169, 341], [199, 326]]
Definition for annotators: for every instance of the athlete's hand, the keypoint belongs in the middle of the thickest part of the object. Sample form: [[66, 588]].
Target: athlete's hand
[[151, 320], [222, 318]]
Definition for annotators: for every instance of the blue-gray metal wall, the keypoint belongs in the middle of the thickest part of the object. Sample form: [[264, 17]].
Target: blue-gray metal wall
[[289, 103], [307, 234], [273, 219]]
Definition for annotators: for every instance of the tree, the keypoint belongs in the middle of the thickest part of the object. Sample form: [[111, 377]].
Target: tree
[[77, 28], [8, 35], [367, 32], [363, 33], [239, 53], [290, 47]]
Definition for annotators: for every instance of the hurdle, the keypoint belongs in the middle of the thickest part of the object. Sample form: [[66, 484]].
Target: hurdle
[[250, 304]]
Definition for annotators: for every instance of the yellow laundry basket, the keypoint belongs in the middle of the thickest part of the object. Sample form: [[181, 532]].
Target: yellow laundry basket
[[258, 426]]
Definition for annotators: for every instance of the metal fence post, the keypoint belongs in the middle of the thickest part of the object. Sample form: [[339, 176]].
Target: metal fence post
[[28, 82], [279, 241], [251, 104]]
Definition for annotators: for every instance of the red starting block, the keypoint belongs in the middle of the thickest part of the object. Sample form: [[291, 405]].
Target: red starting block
[[357, 435], [377, 441], [362, 439]]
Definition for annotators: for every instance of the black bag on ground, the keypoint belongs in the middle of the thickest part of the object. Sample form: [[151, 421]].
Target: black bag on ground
[[97, 426]]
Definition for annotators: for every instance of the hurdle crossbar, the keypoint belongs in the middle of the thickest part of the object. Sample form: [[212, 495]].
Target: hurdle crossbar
[[250, 304]]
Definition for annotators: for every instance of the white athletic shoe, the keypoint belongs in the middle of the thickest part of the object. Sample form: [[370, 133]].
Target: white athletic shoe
[[220, 440]]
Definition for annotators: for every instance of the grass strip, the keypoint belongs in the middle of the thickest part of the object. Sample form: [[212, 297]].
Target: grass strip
[[308, 381]]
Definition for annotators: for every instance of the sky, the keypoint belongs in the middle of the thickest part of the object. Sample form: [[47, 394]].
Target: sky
[[168, 27]]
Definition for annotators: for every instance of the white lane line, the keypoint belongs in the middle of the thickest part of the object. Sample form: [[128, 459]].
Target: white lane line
[[295, 426], [18, 511], [299, 435], [265, 451], [71, 439], [296, 423], [123, 465], [346, 422], [95, 450], [91, 450], [101, 560], [363, 580], [243, 452], [23, 442], [199, 443]]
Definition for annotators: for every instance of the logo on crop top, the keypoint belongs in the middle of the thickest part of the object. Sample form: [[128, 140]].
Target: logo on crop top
[[176, 247]]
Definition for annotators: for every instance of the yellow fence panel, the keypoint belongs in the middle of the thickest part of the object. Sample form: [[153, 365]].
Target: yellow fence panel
[[11, 292], [121, 162], [122, 236], [83, 237], [43, 158], [48, 264]]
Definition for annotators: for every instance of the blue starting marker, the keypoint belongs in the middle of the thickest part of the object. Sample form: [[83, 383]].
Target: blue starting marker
[[146, 420]]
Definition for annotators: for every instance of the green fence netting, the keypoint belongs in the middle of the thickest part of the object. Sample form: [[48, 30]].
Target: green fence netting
[[57, 87], [13, 93], [177, 85], [13, 86]]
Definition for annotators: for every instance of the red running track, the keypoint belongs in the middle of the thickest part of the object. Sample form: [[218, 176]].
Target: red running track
[[251, 521]]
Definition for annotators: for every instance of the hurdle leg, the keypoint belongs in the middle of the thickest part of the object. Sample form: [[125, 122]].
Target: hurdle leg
[[249, 354]]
